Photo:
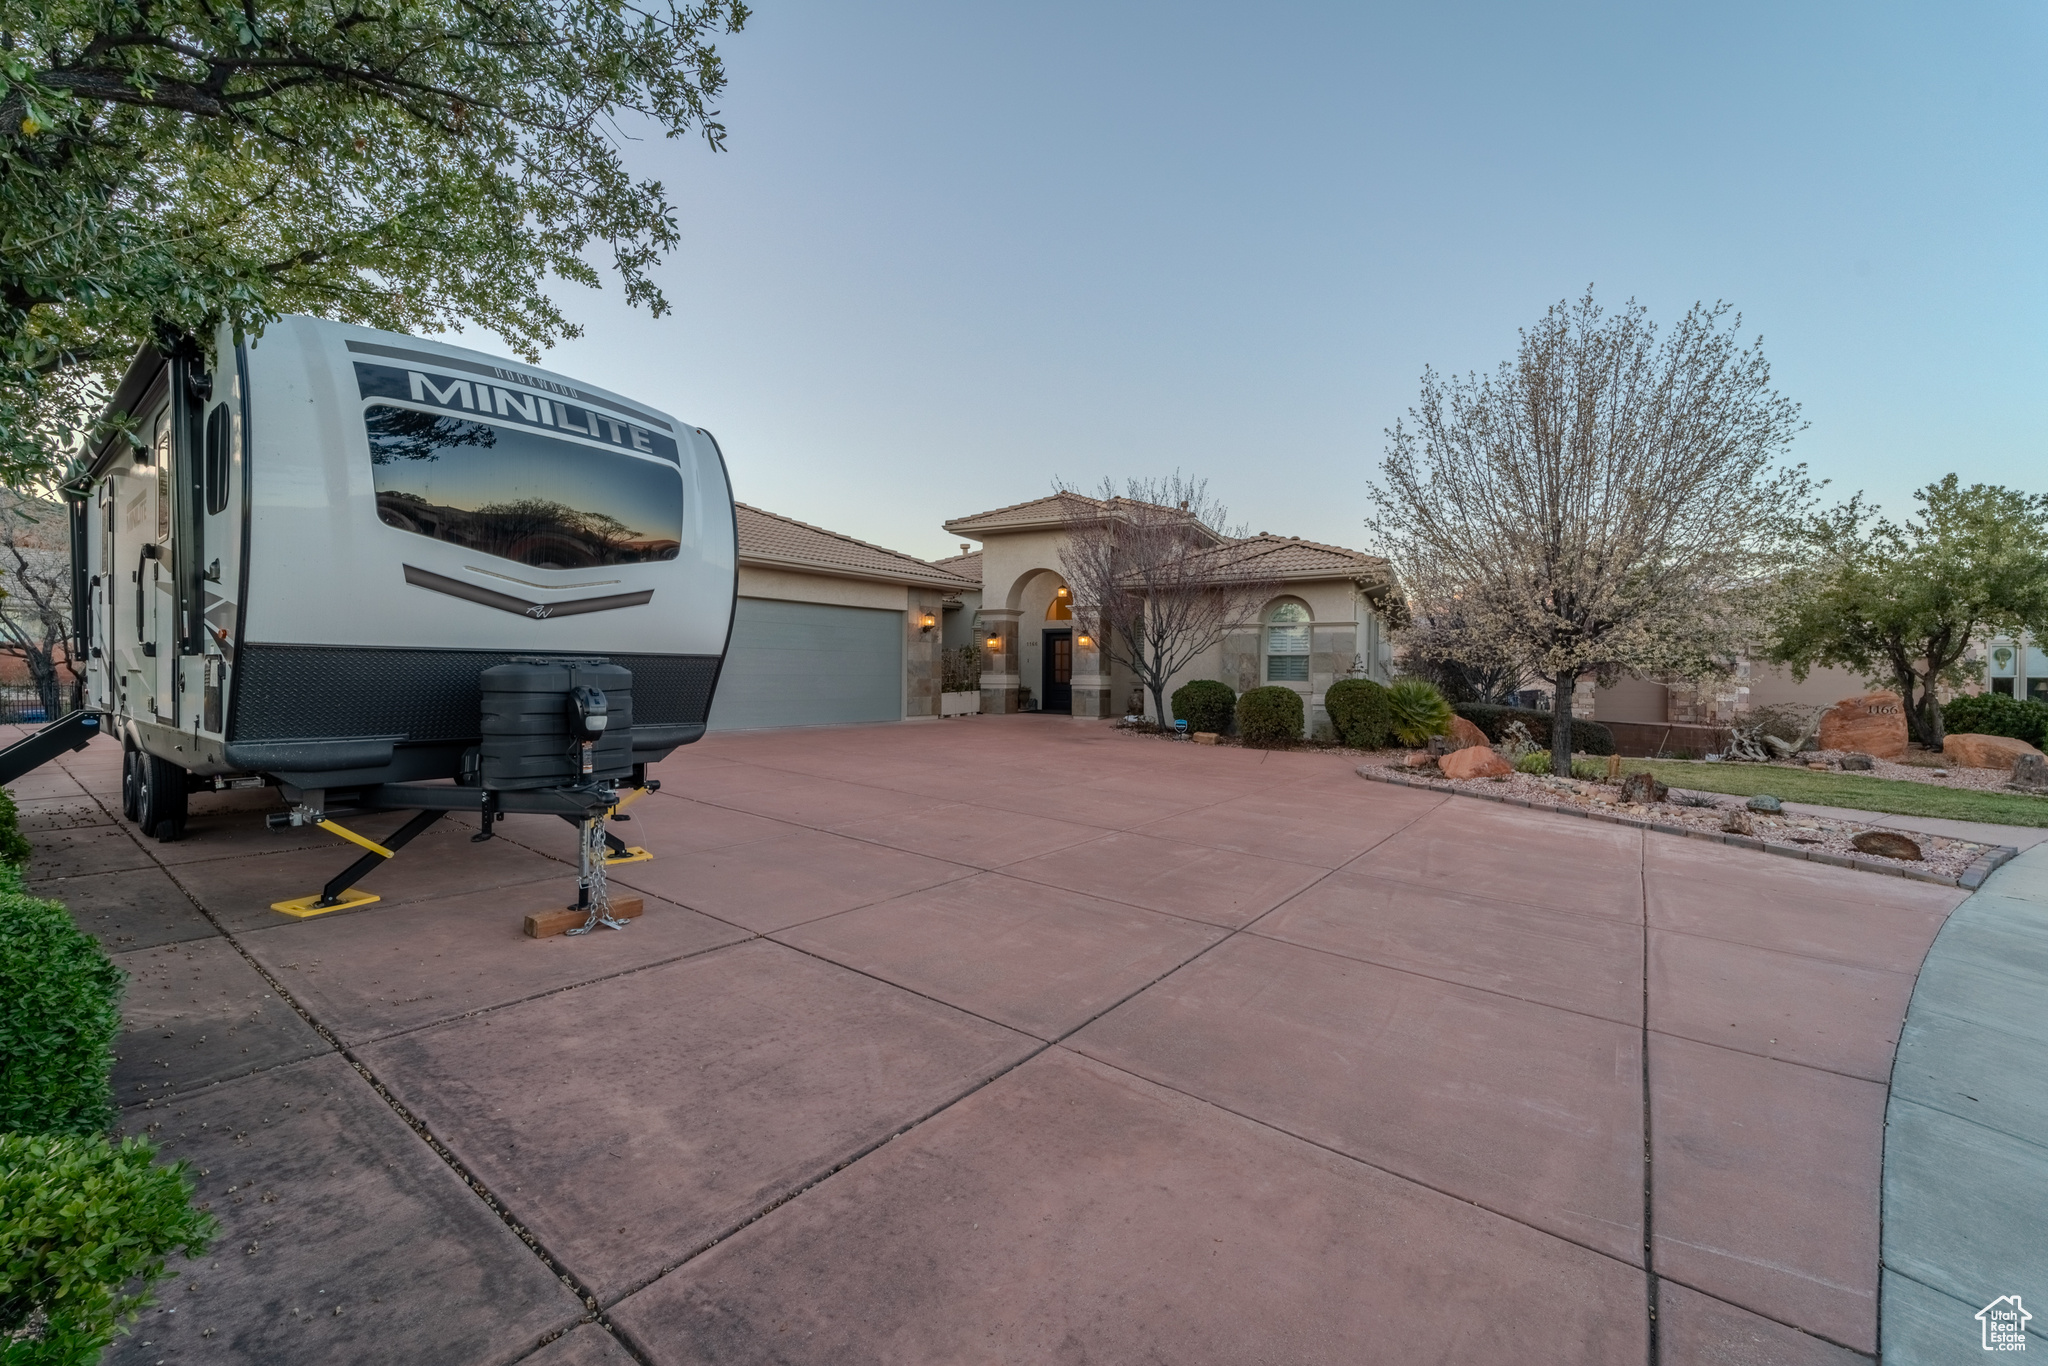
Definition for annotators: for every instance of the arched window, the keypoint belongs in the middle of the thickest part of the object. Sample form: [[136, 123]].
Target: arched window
[[1287, 644], [1061, 608]]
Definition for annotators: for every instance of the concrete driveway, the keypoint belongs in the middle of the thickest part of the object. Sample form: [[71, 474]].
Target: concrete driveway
[[1009, 1040]]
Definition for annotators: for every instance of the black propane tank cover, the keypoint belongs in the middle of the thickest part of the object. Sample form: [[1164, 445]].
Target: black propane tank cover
[[531, 737]]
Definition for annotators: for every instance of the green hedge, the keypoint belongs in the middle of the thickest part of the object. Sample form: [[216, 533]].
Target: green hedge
[[79, 1219], [1994, 713], [85, 1225], [1588, 737], [1360, 713], [1205, 704], [60, 1008], [1270, 717]]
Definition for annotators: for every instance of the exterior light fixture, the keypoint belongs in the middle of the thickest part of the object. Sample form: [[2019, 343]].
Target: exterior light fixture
[[1065, 593], [995, 642], [927, 621], [1086, 641]]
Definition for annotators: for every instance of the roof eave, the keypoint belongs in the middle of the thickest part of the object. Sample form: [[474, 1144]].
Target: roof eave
[[841, 571]]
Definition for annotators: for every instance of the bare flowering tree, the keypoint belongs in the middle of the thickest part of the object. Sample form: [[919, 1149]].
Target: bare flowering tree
[[1157, 566], [1609, 500], [35, 595]]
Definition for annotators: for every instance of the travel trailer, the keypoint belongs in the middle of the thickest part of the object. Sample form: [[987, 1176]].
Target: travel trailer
[[298, 562]]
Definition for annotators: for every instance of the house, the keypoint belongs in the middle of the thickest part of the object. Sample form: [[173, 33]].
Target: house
[[2016, 666], [1327, 619], [829, 630]]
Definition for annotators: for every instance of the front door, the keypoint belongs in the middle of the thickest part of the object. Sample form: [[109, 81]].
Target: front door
[[1058, 684]]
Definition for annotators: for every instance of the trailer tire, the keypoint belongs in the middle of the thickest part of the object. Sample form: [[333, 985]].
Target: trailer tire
[[160, 798], [131, 783]]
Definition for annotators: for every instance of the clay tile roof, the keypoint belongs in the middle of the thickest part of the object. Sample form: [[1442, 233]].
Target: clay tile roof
[[1050, 510], [785, 543], [967, 566], [1290, 557]]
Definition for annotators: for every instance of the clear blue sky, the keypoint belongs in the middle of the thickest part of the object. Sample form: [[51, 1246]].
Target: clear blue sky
[[957, 249]]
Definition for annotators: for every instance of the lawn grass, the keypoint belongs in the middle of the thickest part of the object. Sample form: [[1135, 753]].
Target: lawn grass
[[1848, 789]]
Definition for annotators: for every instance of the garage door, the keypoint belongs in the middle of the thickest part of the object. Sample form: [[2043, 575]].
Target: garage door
[[805, 664]]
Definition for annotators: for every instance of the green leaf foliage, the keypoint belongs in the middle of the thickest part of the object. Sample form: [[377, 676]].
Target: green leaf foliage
[[1996, 714], [60, 1009], [407, 164], [1270, 717], [14, 846], [1416, 711], [1205, 704], [1360, 713], [1588, 737], [81, 1220], [1904, 602]]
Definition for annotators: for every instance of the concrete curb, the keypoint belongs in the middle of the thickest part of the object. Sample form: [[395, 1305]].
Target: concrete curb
[[1965, 1164], [1970, 878]]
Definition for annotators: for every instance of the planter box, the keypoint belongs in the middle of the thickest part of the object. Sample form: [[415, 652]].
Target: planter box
[[959, 704]]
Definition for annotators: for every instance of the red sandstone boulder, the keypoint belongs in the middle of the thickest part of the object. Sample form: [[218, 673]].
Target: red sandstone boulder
[[1464, 734], [1477, 762], [1986, 751], [1873, 724]]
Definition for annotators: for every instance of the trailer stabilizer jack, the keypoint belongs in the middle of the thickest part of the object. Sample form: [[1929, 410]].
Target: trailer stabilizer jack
[[340, 894]]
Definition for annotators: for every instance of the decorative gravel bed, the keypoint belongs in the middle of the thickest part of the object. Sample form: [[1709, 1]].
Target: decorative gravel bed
[[1975, 779], [1700, 814]]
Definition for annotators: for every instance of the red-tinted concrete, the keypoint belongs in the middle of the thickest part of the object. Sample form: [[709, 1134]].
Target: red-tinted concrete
[[365, 976], [1766, 1185], [1699, 1330], [630, 1122], [1073, 1213], [1220, 887], [1035, 958], [1589, 964], [1527, 1110], [1364, 1082], [196, 1013], [342, 1240]]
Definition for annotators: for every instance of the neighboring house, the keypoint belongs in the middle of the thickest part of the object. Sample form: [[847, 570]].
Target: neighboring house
[[1754, 685], [1327, 619], [829, 630], [2016, 667]]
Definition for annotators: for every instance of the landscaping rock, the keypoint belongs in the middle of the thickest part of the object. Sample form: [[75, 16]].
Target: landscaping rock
[[1419, 758], [1874, 724], [1886, 844], [1765, 803], [1737, 822], [1205, 737], [1643, 788], [1858, 763], [2030, 774], [1464, 734], [1477, 762], [1986, 751]]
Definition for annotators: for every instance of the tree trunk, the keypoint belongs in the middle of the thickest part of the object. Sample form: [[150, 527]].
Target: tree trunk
[[1159, 706], [1933, 727], [49, 687], [1561, 726]]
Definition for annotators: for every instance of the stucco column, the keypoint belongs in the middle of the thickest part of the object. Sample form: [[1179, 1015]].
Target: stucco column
[[999, 663], [1091, 670], [921, 649]]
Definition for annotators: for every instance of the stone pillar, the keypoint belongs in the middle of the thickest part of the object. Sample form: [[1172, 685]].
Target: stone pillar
[[921, 650], [999, 664], [1091, 670]]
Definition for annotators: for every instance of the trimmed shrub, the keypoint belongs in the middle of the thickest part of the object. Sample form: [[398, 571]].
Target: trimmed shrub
[[79, 1219], [1416, 711], [1270, 717], [1359, 713], [14, 848], [60, 1008], [1204, 704], [1537, 762], [1994, 713], [1588, 737]]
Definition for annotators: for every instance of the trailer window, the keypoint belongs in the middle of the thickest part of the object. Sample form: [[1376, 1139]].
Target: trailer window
[[217, 432], [520, 495]]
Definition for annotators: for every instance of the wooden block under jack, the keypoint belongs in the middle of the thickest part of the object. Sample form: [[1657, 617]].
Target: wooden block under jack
[[545, 924]]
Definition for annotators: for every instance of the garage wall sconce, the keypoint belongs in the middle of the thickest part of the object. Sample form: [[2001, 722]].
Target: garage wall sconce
[[926, 622]]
